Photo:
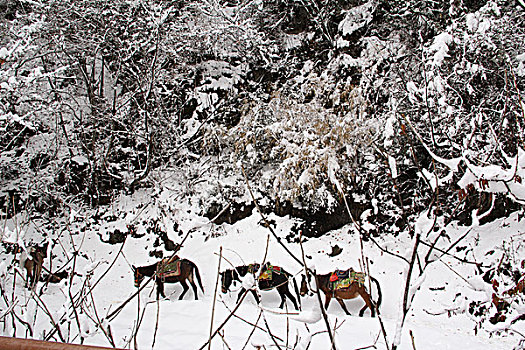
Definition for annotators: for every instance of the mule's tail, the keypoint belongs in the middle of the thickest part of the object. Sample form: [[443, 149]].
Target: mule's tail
[[198, 275], [297, 293], [379, 295]]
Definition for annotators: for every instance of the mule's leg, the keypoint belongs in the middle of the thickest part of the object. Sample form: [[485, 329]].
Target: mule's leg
[[241, 292], [343, 306], [37, 272], [194, 287], [291, 297], [160, 289], [368, 304], [255, 296], [185, 287], [29, 282], [29, 268], [192, 284], [34, 278], [283, 298], [327, 300]]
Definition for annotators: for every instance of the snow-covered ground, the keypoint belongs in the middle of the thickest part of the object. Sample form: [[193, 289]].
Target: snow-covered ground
[[185, 324]]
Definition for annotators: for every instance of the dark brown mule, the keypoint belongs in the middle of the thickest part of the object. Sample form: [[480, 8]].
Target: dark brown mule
[[353, 291], [187, 271], [33, 264]]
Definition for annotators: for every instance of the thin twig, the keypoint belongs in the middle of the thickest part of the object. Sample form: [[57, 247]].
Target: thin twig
[[99, 322], [215, 297], [156, 324]]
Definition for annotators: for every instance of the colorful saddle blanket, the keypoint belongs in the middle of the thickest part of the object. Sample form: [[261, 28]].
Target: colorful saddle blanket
[[169, 267], [343, 279], [267, 274]]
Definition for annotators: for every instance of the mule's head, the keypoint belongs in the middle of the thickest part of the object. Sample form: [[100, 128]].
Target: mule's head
[[137, 276], [304, 286], [226, 280], [303, 290]]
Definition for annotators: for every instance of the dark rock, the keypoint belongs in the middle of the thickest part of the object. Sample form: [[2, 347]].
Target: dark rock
[[235, 212], [336, 250], [317, 223], [115, 237], [39, 161]]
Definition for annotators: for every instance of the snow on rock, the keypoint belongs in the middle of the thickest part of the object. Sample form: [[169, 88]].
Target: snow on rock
[[309, 316], [440, 48], [393, 167], [521, 64], [4, 53], [477, 284], [355, 18], [424, 223], [472, 22]]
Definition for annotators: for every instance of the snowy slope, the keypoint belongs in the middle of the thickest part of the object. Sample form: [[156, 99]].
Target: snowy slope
[[185, 324]]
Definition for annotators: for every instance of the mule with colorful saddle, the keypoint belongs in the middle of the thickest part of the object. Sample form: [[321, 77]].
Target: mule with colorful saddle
[[342, 285], [270, 277], [170, 270]]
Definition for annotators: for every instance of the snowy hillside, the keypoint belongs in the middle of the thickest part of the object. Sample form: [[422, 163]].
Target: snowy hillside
[[385, 136], [440, 312]]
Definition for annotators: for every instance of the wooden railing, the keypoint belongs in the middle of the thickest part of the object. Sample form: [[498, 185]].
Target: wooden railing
[[8, 343]]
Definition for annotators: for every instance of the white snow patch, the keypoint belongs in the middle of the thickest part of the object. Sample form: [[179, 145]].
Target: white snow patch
[[333, 168], [389, 130], [80, 160], [312, 315], [424, 223], [472, 22], [440, 48], [357, 17], [3, 53], [392, 165], [521, 64]]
